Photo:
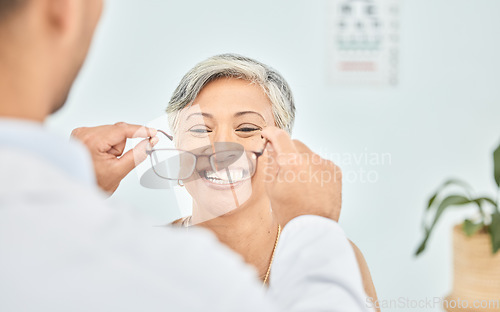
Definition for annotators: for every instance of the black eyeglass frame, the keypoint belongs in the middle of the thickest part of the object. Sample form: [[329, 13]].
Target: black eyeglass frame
[[149, 152]]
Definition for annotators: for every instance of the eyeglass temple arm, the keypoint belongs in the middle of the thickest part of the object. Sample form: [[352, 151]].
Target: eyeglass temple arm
[[171, 138]]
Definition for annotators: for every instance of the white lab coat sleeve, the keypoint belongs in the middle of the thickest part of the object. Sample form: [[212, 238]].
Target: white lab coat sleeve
[[315, 269]]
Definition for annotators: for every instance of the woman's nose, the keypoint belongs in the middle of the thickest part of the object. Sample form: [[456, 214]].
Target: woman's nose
[[224, 134]]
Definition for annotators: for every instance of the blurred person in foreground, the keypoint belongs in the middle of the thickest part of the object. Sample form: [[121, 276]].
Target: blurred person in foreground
[[64, 248]]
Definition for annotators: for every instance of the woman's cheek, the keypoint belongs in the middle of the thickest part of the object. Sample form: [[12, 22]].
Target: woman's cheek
[[189, 143]]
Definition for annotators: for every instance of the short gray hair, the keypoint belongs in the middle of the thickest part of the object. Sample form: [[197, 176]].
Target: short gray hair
[[239, 67]]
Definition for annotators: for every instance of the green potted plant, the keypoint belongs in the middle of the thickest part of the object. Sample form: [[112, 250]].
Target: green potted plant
[[476, 243]]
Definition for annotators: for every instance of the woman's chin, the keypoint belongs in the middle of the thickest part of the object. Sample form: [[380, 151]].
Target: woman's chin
[[215, 199]]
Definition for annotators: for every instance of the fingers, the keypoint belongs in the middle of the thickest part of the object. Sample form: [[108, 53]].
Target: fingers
[[270, 166], [136, 131], [299, 181], [121, 131], [117, 150], [105, 137], [107, 143], [135, 156], [280, 146], [285, 150], [280, 140]]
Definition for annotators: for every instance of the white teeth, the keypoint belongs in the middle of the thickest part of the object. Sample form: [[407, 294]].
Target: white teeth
[[235, 175]]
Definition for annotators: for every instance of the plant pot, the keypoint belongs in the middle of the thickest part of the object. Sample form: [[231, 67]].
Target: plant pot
[[476, 274]]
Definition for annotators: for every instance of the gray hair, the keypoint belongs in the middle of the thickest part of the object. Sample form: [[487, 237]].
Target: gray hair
[[239, 67]]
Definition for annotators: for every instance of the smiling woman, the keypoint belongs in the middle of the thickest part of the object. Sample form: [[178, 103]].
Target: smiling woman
[[276, 89], [230, 99]]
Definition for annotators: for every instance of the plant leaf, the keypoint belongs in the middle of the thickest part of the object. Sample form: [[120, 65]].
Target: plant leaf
[[496, 165], [495, 232], [470, 228], [487, 199], [445, 184], [452, 200], [479, 201], [422, 245], [431, 200]]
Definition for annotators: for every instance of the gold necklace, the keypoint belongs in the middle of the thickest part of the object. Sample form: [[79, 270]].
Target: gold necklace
[[272, 255]]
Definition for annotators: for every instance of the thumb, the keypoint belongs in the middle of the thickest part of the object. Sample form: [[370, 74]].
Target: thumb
[[271, 168], [135, 156]]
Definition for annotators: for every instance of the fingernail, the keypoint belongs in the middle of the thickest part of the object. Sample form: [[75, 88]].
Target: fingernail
[[154, 140]]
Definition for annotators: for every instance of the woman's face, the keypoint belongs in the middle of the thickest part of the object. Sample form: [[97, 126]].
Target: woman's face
[[228, 114]]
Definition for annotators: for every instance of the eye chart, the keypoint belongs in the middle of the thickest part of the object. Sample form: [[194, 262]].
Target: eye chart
[[363, 42]]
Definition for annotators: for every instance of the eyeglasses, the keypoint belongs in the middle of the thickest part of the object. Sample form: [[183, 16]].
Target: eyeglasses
[[229, 162]]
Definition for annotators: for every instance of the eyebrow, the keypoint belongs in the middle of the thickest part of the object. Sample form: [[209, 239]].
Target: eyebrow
[[238, 114], [200, 114]]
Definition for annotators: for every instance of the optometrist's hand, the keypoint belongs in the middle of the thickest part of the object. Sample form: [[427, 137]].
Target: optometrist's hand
[[106, 145], [298, 181]]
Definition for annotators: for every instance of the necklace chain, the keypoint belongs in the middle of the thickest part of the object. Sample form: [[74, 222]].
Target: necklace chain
[[186, 223], [272, 255]]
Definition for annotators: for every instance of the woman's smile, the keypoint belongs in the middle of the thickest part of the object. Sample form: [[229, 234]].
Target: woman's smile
[[224, 179]]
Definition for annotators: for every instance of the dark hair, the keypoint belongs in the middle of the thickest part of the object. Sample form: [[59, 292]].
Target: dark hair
[[8, 6]]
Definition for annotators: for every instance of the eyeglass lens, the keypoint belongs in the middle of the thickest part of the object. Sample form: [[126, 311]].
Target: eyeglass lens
[[229, 165]]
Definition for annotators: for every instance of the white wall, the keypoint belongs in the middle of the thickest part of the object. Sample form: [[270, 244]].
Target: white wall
[[442, 120]]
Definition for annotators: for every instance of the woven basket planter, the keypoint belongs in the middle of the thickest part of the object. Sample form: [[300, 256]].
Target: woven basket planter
[[476, 274]]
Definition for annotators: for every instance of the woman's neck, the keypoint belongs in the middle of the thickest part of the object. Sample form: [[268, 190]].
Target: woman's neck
[[250, 231]]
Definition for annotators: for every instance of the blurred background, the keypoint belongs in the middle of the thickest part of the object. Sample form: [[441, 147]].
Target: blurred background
[[438, 119]]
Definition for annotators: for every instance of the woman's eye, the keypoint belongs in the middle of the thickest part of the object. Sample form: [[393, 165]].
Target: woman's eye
[[200, 130], [248, 129]]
